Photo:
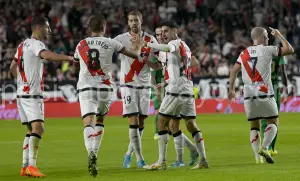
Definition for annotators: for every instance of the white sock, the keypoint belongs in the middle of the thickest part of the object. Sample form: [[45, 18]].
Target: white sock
[[187, 143], [98, 134], [26, 151], [135, 141], [178, 142], [34, 142], [255, 142], [269, 135], [130, 148], [199, 143], [88, 135], [162, 146]]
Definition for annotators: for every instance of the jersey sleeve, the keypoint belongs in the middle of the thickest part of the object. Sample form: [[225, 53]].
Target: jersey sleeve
[[282, 60], [38, 48], [175, 44], [273, 51], [117, 46]]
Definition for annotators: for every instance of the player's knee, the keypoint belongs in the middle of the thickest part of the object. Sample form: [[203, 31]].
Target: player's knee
[[38, 127], [273, 121], [142, 121], [133, 120], [255, 124], [100, 120]]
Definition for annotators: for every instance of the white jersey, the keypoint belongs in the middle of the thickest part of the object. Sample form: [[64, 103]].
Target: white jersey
[[134, 72], [163, 60], [178, 68], [30, 67], [95, 57], [256, 64]]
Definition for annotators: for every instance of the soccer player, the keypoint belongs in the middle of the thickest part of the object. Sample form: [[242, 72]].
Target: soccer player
[[157, 77], [135, 85], [27, 67], [179, 100], [278, 65], [255, 63], [94, 54], [160, 78]]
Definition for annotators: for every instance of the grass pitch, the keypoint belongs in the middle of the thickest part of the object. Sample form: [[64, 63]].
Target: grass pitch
[[62, 155]]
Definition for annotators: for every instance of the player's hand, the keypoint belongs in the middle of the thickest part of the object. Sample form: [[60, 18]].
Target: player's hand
[[70, 58], [231, 96], [159, 86], [275, 32], [136, 41], [158, 93]]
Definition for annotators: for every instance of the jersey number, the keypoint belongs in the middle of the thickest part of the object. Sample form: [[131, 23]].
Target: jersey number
[[254, 62], [93, 59], [127, 100]]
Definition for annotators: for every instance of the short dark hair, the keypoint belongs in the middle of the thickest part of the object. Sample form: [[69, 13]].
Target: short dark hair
[[168, 23], [97, 23], [38, 21], [135, 13]]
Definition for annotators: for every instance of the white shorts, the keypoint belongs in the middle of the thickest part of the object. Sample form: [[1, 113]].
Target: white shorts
[[176, 106], [30, 109], [95, 101], [263, 108], [136, 100]]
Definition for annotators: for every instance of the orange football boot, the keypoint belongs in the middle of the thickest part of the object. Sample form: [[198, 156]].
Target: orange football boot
[[23, 172], [32, 171]]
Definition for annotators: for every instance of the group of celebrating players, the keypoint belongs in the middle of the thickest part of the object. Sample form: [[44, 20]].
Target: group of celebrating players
[[165, 66]]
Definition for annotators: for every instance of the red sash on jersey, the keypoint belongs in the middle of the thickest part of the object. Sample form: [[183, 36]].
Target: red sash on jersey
[[187, 70], [136, 65], [26, 88], [245, 56], [83, 48]]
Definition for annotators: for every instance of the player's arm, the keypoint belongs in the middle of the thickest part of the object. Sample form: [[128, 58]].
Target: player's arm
[[13, 68], [162, 47], [286, 48], [51, 56], [234, 71], [129, 53], [194, 61]]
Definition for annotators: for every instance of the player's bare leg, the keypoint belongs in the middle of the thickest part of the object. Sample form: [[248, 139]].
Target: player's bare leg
[[178, 142], [162, 124], [130, 150], [89, 139], [269, 134], [255, 140], [25, 161], [34, 141], [199, 142]]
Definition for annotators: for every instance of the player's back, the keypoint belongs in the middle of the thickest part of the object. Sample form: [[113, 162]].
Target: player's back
[[95, 57], [30, 67], [178, 68], [256, 70], [134, 72]]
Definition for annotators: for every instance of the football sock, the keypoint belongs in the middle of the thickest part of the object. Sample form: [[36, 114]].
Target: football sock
[[135, 141], [34, 142], [26, 151], [199, 143], [178, 142], [162, 146], [88, 135], [270, 133], [187, 143], [99, 132], [130, 147], [255, 141]]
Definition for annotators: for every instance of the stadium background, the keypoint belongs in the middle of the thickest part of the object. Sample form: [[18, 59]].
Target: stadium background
[[216, 31]]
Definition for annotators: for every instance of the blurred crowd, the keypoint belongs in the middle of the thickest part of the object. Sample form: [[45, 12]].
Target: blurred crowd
[[215, 30]]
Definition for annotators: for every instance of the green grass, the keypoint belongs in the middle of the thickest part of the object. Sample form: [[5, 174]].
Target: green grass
[[62, 155]]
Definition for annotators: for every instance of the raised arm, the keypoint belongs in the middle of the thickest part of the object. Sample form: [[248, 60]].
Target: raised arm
[[286, 48], [51, 56]]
